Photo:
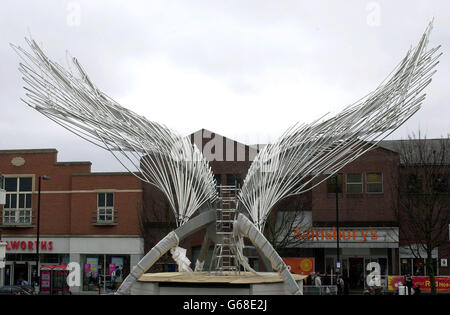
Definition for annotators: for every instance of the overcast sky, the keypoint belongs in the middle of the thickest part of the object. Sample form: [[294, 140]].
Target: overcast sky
[[244, 69]]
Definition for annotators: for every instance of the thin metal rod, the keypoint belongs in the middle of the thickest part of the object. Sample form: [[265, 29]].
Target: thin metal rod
[[38, 229], [337, 226], [308, 154]]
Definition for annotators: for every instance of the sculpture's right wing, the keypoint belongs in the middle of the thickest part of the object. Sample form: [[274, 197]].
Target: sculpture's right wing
[[293, 164], [168, 161]]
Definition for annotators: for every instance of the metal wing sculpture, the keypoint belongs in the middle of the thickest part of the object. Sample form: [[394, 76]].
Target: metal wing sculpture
[[168, 161], [293, 164], [290, 166]]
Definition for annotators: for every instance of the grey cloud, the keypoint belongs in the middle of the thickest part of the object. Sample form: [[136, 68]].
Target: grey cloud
[[238, 43]]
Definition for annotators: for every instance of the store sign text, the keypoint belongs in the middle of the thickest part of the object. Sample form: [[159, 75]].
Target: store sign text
[[28, 245], [331, 234]]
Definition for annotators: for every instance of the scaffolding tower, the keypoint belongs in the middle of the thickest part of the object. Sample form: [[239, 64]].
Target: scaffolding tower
[[224, 254]]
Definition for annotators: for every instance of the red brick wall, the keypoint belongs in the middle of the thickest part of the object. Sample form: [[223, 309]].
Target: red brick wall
[[84, 205], [367, 209], [63, 212]]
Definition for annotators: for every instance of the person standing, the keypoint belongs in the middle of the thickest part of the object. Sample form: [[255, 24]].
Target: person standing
[[408, 283], [340, 285], [317, 280], [116, 277], [119, 274], [21, 281]]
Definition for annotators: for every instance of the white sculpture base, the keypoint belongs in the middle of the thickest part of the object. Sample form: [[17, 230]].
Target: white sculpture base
[[202, 283]]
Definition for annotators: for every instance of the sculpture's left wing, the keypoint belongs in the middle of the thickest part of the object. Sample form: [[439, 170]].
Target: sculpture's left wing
[[165, 159]]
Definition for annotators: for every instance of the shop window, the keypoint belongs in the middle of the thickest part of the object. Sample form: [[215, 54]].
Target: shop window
[[17, 208], [329, 265], [104, 272], [331, 184], [354, 183], [105, 207], [383, 266], [218, 179], [418, 267], [374, 182], [405, 267]]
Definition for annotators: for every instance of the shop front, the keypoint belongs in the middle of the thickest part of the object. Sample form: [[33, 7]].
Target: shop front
[[359, 246], [20, 258], [412, 260], [104, 272], [355, 264], [104, 261]]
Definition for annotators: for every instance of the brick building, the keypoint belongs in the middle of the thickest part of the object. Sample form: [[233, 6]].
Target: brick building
[[89, 218], [370, 230]]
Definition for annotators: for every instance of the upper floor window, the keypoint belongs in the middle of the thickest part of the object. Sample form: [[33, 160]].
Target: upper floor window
[[374, 182], [105, 207], [218, 179], [331, 184], [234, 180], [414, 184], [354, 183], [440, 183], [17, 208]]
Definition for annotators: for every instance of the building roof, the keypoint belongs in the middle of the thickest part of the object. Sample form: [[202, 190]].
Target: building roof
[[74, 163], [28, 151], [45, 151], [106, 174], [420, 151]]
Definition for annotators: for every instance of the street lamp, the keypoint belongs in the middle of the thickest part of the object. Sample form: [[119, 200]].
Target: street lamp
[[38, 223], [338, 262]]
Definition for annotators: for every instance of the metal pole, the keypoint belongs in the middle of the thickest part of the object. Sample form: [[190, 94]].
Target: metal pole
[[38, 229], [104, 273], [337, 228]]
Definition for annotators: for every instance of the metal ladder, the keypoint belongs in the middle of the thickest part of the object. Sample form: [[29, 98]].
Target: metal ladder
[[223, 256]]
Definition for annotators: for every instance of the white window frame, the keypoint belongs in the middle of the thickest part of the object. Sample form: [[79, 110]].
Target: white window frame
[[354, 183], [382, 183], [107, 210], [19, 215]]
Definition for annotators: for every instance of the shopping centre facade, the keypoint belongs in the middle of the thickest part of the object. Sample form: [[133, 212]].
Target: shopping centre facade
[[102, 220], [88, 218]]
